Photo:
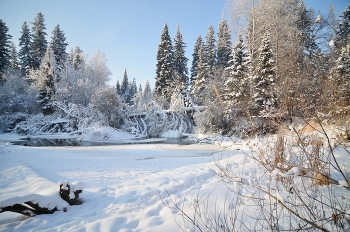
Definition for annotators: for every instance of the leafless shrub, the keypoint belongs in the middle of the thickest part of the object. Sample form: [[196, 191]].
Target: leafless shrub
[[293, 190]]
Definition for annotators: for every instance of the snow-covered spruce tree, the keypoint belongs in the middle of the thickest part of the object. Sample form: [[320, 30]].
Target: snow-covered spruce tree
[[5, 46], [201, 80], [13, 59], [164, 70], [264, 99], [117, 86], [133, 91], [140, 89], [195, 58], [236, 86], [304, 25], [78, 58], [25, 52], [124, 88], [147, 93], [70, 57], [58, 46], [340, 79], [45, 82], [343, 29], [210, 48], [39, 43], [179, 59], [223, 45]]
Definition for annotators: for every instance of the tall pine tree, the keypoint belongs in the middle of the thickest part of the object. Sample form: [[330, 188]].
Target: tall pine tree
[[46, 83], [25, 52], [264, 99], [133, 91], [147, 93], [340, 73], [125, 84], [164, 70], [223, 44], [236, 86], [343, 29], [5, 46], [13, 59], [58, 46], [39, 43], [195, 57], [78, 58], [117, 85], [179, 59], [210, 48], [200, 83]]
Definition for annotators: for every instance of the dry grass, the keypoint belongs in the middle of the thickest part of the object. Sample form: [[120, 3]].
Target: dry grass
[[310, 156]]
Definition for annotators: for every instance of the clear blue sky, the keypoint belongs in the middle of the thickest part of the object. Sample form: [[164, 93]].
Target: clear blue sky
[[127, 31]]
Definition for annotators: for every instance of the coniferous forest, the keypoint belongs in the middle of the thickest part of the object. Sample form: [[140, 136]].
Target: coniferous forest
[[244, 80]]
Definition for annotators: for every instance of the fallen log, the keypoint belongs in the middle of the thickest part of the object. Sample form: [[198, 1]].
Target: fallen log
[[68, 192]]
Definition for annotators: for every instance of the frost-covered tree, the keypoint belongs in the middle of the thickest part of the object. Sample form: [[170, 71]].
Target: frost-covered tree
[[306, 32], [58, 45], [45, 82], [236, 86], [264, 99], [340, 78], [343, 29], [13, 59], [210, 48], [117, 86], [25, 52], [97, 69], [223, 44], [164, 70], [107, 101], [78, 84], [39, 43], [147, 92], [124, 88], [195, 57], [179, 58], [200, 82], [140, 89], [78, 58], [5, 45], [132, 91]]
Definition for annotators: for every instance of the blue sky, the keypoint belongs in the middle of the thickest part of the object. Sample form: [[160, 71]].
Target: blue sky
[[127, 31]]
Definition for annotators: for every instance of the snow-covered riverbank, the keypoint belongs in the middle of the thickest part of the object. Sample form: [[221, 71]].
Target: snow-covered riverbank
[[126, 185], [123, 183]]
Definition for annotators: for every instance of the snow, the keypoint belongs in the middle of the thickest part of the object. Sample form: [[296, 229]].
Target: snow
[[123, 184], [126, 186], [318, 19], [343, 183]]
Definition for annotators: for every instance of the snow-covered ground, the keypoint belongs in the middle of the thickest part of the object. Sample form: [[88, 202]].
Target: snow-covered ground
[[124, 184]]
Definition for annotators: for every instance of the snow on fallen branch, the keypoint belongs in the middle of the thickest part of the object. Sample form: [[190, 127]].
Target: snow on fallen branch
[[43, 196]]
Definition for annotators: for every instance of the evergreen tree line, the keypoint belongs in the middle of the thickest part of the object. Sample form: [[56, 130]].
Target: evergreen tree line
[[286, 62], [42, 77], [128, 91]]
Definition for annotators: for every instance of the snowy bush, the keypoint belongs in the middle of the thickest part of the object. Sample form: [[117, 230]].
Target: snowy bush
[[9, 121], [107, 102], [17, 96], [211, 120], [286, 185]]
